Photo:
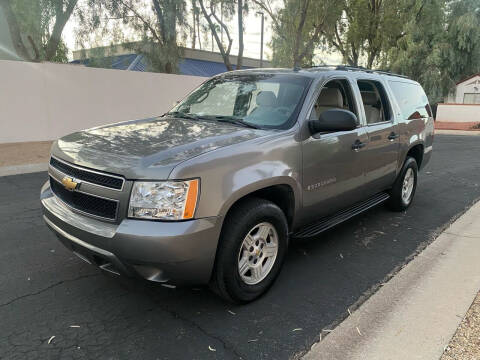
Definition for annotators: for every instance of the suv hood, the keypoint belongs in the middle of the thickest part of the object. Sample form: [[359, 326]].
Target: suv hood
[[150, 148]]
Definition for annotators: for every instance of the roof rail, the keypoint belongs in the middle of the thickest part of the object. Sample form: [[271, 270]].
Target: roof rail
[[359, 68]]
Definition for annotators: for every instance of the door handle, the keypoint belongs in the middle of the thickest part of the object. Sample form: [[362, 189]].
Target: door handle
[[357, 145], [393, 136]]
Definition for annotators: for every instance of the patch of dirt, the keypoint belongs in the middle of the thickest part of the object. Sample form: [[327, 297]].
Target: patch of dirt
[[446, 125], [465, 344], [24, 153]]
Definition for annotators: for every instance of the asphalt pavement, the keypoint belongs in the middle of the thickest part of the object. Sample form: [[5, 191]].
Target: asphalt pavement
[[53, 305]]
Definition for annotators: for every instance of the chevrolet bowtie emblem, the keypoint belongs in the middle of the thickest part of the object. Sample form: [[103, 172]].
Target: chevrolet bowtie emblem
[[70, 183]]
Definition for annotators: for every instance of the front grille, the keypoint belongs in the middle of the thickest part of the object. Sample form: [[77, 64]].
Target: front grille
[[86, 203], [86, 175]]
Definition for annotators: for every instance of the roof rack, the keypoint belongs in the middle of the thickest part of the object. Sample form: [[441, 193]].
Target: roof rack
[[359, 68]]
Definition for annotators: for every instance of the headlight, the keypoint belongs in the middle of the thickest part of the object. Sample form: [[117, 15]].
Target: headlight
[[163, 200]]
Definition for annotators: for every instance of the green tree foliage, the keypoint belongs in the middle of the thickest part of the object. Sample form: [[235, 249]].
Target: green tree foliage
[[436, 42], [153, 27], [36, 27], [367, 28], [441, 45], [463, 38], [297, 28]]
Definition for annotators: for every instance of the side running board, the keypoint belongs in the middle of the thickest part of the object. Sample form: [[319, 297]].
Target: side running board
[[331, 221]]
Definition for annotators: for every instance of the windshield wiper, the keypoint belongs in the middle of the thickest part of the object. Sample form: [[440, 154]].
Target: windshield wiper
[[236, 122], [182, 115], [219, 118]]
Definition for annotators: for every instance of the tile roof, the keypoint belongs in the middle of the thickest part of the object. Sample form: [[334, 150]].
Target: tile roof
[[135, 62]]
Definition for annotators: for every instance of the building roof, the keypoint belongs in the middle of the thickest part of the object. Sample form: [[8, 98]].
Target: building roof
[[468, 78], [203, 67], [135, 62]]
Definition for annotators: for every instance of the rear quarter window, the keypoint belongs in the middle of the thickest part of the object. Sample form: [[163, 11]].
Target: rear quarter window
[[412, 100]]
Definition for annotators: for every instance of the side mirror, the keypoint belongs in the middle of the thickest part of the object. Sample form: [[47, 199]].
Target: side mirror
[[334, 120]]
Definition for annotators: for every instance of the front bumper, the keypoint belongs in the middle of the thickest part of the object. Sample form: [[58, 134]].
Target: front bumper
[[176, 252]]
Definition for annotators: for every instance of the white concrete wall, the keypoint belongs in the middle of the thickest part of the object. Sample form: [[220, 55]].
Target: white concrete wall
[[46, 101], [458, 113]]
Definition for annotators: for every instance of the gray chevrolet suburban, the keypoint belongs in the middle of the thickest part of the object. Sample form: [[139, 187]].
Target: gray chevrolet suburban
[[213, 191]]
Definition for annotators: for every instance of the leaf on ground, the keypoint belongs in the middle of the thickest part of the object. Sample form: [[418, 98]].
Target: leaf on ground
[[297, 329], [358, 330], [51, 339], [231, 312], [74, 326], [211, 348]]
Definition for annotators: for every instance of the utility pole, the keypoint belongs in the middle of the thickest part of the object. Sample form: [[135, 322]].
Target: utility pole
[[261, 38]]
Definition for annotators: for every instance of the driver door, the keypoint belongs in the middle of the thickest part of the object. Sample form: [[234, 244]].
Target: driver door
[[333, 163]]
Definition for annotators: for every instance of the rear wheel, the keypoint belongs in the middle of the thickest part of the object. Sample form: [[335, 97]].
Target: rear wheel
[[403, 190], [251, 251]]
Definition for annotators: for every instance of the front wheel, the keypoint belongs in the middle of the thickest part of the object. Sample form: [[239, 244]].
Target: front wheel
[[251, 250], [403, 190]]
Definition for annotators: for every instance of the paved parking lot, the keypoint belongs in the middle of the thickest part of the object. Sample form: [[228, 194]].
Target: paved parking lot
[[45, 291]]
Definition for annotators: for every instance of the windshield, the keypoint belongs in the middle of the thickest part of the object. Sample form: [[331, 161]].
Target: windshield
[[258, 100]]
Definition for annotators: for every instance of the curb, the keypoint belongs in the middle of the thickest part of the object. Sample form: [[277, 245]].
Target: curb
[[22, 169], [416, 313], [457, 132]]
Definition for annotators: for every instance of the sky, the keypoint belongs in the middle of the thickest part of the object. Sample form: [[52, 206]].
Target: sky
[[252, 31]]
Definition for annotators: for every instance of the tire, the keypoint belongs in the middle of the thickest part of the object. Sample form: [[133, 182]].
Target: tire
[[400, 198], [250, 217]]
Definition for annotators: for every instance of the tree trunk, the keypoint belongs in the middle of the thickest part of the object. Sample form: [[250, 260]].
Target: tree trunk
[[61, 19], [240, 35], [198, 31], [225, 54], [297, 59], [167, 21], [194, 27]]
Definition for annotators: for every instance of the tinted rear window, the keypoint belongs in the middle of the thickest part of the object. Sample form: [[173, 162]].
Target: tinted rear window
[[412, 100]]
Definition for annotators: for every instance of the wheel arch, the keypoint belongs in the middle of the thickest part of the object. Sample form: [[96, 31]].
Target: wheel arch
[[281, 194], [416, 151]]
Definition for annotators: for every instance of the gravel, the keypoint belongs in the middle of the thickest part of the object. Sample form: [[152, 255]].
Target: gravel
[[465, 344]]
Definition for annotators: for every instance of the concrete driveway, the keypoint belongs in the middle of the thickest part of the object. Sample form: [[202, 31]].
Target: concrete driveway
[[46, 291]]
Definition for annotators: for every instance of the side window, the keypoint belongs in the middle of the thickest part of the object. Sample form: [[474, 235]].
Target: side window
[[412, 100], [336, 94], [375, 101]]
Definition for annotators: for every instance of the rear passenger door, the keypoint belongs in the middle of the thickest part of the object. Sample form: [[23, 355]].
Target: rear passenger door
[[382, 149]]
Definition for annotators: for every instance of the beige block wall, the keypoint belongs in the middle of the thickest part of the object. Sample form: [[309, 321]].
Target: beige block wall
[[46, 101], [458, 113]]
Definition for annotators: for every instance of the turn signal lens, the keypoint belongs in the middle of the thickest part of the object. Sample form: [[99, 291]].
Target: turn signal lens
[[191, 203]]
